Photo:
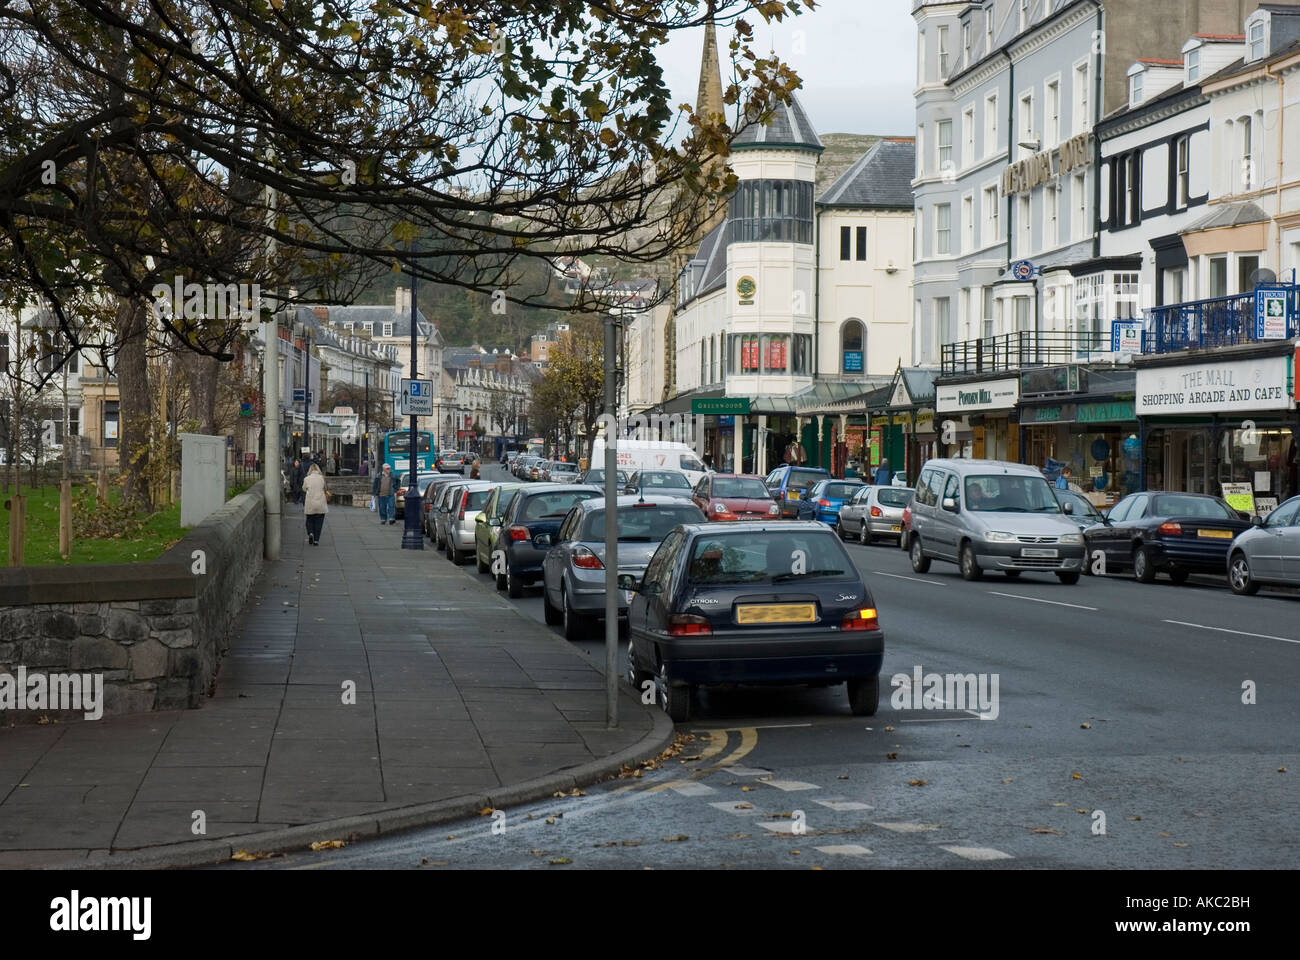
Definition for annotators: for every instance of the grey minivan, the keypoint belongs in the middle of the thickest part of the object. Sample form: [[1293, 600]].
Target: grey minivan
[[991, 515]]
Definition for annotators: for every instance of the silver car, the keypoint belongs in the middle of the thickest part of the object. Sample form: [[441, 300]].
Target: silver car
[[573, 570], [464, 501], [1269, 552], [992, 515], [875, 512]]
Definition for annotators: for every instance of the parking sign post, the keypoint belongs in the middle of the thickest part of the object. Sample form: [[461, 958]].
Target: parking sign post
[[611, 525], [412, 535]]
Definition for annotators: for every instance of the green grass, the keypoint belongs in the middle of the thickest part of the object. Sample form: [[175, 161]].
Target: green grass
[[161, 531]]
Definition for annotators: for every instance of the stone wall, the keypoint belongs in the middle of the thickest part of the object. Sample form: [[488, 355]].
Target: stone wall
[[156, 631]]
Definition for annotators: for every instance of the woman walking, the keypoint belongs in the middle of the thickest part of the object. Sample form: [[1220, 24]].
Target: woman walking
[[314, 505]]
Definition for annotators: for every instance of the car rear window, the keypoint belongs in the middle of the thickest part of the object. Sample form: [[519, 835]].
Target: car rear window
[[893, 497], [771, 557], [803, 479], [840, 491], [1193, 507], [648, 523], [553, 506], [654, 478], [477, 498], [740, 488]]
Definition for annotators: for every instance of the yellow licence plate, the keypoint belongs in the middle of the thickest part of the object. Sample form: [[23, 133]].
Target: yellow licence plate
[[1216, 534], [896, 528], [776, 613], [792, 494]]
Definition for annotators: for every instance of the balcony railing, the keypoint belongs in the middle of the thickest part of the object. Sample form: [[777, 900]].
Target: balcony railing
[[1216, 322], [1024, 348]]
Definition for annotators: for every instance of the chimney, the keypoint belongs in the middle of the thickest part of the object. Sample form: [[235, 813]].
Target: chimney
[[403, 305]]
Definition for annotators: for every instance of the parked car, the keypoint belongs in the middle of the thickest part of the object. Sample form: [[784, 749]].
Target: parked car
[[827, 496], [535, 469], [596, 476], [1081, 510], [788, 484], [562, 472], [874, 512], [427, 496], [767, 603], [1173, 533], [573, 570], [729, 496], [990, 515], [487, 522], [544, 471], [905, 523], [465, 502], [438, 519], [451, 461], [527, 527], [404, 484], [1269, 552], [674, 483]]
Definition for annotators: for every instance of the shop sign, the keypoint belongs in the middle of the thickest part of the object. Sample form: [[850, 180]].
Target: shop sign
[[874, 448], [1044, 414], [925, 421], [716, 406], [1240, 496], [1272, 319], [852, 361], [1048, 165], [986, 395], [1049, 380], [880, 421], [1114, 411], [745, 290], [1125, 336], [1214, 387]]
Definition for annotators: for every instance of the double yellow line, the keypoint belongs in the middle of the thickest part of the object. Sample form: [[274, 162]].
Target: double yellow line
[[718, 741]]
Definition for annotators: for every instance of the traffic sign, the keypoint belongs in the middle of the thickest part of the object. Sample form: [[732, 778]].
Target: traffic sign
[[302, 395], [417, 398]]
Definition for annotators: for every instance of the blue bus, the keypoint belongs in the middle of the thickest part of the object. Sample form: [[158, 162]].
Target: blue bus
[[397, 450]]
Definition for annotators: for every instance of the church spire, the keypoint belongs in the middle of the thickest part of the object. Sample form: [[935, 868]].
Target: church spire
[[709, 99]]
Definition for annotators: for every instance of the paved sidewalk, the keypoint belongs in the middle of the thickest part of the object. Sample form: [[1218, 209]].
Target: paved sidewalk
[[457, 695]]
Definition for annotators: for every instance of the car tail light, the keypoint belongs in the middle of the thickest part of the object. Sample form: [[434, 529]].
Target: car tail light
[[864, 619], [584, 558], [877, 512], [688, 625], [823, 502], [464, 499], [518, 533], [1171, 528]]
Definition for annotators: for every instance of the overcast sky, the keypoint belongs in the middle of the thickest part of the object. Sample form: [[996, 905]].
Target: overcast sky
[[857, 60]]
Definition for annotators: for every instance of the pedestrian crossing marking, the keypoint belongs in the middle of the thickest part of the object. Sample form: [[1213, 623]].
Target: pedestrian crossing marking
[[845, 849], [791, 785], [908, 827], [690, 788], [978, 853], [844, 804]]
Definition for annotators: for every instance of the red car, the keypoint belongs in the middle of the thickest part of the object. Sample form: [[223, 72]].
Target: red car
[[907, 522], [733, 496]]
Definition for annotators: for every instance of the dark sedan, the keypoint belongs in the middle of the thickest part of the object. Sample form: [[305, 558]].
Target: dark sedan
[[1080, 509], [527, 528], [753, 603], [1173, 533]]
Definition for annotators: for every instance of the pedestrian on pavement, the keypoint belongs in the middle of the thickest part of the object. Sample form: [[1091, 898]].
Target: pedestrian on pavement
[[384, 489], [474, 469], [295, 481], [883, 475], [314, 503]]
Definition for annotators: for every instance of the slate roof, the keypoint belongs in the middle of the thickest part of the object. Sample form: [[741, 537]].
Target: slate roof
[[881, 177], [1230, 215], [788, 127], [385, 313]]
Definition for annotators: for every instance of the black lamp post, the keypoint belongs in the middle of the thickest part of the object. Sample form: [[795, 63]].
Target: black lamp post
[[412, 535]]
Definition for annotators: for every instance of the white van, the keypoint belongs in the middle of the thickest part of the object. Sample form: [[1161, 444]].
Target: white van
[[634, 455]]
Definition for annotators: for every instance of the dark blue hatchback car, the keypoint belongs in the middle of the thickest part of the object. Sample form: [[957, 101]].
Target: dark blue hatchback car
[[753, 603], [527, 529]]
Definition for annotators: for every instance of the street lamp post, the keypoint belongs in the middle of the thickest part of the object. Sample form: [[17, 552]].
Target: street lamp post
[[412, 536], [611, 528]]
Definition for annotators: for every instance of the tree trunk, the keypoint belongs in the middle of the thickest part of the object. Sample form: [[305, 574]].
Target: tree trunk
[[201, 374], [135, 409]]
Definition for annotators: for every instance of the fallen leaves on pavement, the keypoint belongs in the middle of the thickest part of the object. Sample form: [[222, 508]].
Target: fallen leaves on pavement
[[917, 783], [328, 845]]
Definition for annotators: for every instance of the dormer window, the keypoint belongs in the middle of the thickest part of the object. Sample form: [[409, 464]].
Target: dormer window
[[1135, 89], [1193, 65], [1255, 41]]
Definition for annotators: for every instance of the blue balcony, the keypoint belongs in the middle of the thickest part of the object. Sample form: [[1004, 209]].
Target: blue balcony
[[1216, 322]]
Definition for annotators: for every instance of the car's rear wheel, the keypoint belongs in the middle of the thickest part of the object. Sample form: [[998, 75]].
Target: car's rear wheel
[[1239, 576], [1143, 569], [920, 562], [635, 676], [1068, 578], [970, 568], [514, 586], [552, 615], [864, 533], [1179, 576], [675, 698], [577, 626], [864, 696]]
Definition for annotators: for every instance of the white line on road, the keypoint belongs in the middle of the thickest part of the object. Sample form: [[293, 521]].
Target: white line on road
[[844, 804], [1058, 603], [979, 853], [942, 719], [899, 576], [791, 785], [1241, 633], [845, 849]]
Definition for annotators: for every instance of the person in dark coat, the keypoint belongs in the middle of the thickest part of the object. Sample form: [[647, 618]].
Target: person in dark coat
[[296, 474]]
